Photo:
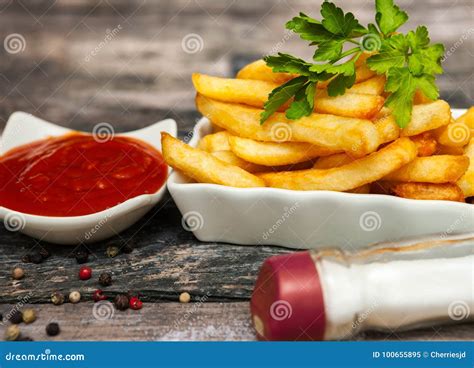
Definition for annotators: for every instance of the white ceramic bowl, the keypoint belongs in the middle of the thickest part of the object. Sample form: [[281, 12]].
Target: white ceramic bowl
[[24, 128], [308, 219]]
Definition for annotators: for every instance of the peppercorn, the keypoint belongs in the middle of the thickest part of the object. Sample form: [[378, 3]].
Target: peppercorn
[[29, 315], [105, 279], [26, 258], [184, 297], [85, 273], [98, 295], [1, 317], [12, 333], [44, 253], [121, 302], [135, 303], [18, 273], [52, 329], [16, 316], [75, 297], [35, 258], [57, 298], [112, 251], [82, 256]]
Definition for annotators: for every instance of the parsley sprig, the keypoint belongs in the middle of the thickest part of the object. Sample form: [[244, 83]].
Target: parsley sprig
[[409, 61]]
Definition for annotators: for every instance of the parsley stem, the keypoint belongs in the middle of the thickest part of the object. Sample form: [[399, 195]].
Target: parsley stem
[[349, 52]]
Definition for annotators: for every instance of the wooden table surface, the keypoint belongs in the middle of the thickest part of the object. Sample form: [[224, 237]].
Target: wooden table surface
[[126, 62]]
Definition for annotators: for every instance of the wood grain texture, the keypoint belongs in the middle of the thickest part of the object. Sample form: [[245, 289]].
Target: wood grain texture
[[182, 322], [126, 62]]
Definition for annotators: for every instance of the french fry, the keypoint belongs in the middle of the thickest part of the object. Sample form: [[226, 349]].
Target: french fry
[[455, 134], [258, 70], [446, 150], [347, 177], [466, 183], [363, 73], [425, 143], [230, 158], [336, 160], [467, 118], [364, 189], [372, 86], [203, 166], [357, 136], [428, 191], [255, 93], [432, 169], [427, 117], [387, 128], [273, 154], [215, 142], [420, 98]]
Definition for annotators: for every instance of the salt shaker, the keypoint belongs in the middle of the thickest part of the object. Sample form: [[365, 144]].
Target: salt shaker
[[334, 294]]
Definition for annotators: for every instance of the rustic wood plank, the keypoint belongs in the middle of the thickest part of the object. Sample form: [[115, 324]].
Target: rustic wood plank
[[181, 322]]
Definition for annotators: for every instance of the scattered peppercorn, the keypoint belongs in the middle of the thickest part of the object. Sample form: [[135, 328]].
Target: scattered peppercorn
[[1, 317], [121, 302], [35, 258], [105, 279], [18, 273], [44, 253], [184, 297], [75, 297], [98, 295], [85, 273], [26, 258], [15, 316], [12, 333], [29, 315], [135, 303], [52, 329], [57, 298], [112, 251], [82, 256]]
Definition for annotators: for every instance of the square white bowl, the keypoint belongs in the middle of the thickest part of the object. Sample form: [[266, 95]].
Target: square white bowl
[[308, 219], [23, 128]]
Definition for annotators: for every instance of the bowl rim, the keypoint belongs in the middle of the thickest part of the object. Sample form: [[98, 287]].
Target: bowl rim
[[129, 205], [176, 181]]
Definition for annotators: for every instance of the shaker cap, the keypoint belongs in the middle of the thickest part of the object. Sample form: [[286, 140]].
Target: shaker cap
[[287, 301]]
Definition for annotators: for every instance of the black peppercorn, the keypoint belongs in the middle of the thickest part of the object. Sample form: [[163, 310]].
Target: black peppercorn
[[121, 302], [1, 317], [81, 256], [36, 258], [26, 258], [52, 329], [44, 253], [15, 316], [105, 279]]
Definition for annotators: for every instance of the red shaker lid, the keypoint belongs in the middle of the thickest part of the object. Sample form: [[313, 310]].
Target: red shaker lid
[[287, 301]]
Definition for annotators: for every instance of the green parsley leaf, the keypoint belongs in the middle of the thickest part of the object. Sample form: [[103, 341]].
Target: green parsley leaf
[[338, 23], [389, 17], [329, 50], [309, 29], [284, 63], [391, 55], [303, 103], [281, 95]]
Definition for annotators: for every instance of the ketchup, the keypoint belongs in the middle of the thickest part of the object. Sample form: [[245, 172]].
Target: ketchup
[[76, 175]]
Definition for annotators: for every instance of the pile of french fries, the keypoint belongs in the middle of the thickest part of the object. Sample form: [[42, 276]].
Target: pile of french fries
[[351, 143]]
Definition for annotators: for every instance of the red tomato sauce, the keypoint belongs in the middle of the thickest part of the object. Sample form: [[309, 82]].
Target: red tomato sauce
[[75, 175]]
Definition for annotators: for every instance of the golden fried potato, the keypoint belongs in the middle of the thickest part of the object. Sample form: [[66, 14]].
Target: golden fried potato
[[258, 70], [347, 177], [432, 169], [466, 183], [364, 189], [273, 154], [427, 117], [356, 136], [203, 166], [387, 128], [372, 86], [455, 134], [425, 143], [446, 150], [255, 93], [215, 142], [428, 191], [420, 98], [467, 118], [336, 160], [230, 158]]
